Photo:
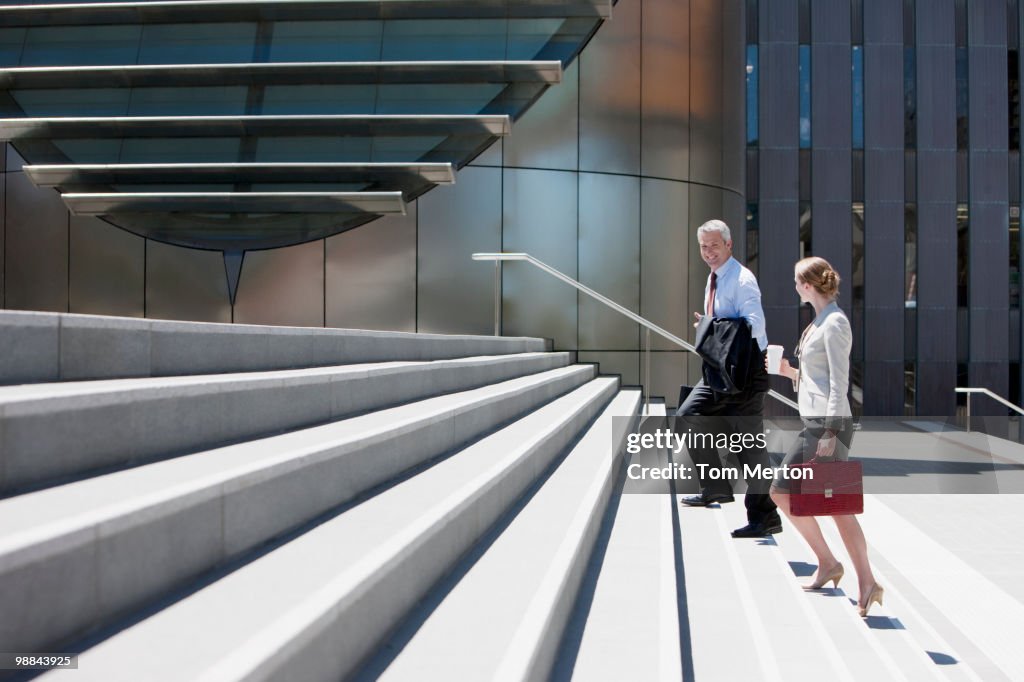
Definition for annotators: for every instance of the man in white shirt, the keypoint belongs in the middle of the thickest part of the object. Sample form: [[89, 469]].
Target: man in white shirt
[[732, 292]]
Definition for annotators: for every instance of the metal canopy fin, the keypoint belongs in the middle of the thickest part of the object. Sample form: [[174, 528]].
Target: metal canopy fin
[[233, 270]]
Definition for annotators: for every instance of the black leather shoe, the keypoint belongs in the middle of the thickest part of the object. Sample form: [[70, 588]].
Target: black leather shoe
[[704, 500], [758, 530]]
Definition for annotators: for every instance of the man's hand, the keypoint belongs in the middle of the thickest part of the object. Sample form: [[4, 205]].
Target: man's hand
[[698, 317]]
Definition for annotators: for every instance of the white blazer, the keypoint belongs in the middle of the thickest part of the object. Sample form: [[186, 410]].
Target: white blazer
[[824, 378]]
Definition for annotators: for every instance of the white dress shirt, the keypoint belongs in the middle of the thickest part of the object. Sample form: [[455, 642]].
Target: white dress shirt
[[737, 295]]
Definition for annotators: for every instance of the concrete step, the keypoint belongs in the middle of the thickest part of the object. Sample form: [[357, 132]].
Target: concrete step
[[625, 625], [41, 347], [879, 647], [967, 621], [314, 607], [69, 429], [514, 601], [95, 548], [876, 648]]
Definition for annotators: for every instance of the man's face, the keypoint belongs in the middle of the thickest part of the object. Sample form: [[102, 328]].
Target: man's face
[[713, 249]]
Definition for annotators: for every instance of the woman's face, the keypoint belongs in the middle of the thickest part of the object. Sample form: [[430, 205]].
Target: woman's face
[[802, 289]]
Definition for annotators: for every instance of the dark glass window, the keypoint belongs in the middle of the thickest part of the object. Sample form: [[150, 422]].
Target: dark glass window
[[805, 96], [910, 308], [909, 98], [962, 102], [857, 22], [962, 256], [910, 256], [753, 235], [1015, 256], [752, 106], [1013, 92], [804, 20], [909, 389], [752, 10], [806, 230], [909, 27], [857, 304], [1012, 30], [858, 97]]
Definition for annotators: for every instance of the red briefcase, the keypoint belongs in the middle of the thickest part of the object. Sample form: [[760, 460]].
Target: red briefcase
[[827, 489]]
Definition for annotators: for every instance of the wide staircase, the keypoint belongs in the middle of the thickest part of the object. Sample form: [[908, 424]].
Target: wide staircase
[[188, 501]]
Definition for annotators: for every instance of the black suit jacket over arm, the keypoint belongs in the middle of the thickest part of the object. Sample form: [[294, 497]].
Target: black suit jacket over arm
[[729, 353]]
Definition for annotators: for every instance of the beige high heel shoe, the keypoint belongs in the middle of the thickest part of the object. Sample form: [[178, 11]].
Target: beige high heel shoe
[[834, 574], [875, 595]]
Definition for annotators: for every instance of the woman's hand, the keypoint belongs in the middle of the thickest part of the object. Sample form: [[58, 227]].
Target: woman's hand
[[785, 369], [826, 445]]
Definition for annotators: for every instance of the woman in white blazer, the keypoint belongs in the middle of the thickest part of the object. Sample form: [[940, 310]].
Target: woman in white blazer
[[821, 383]]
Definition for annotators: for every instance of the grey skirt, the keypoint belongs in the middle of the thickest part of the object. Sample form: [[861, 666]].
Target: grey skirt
[[805, 446]]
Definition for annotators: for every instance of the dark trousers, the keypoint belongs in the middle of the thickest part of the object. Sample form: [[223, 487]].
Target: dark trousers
[[749, 406]]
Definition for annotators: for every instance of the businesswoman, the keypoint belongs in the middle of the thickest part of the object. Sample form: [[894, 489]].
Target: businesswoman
[[821, 384]]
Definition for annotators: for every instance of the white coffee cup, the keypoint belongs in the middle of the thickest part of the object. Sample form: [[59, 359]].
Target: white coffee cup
[[774, 359]]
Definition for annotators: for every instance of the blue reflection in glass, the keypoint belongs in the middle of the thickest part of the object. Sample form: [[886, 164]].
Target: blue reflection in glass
[[752, 94], [858, 97], [805, 96]]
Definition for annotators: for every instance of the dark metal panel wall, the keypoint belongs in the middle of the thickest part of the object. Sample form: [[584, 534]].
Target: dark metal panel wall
[[456, 294], [37, 247], [936, 198], [734, 60], [3, 219], [371, 275], [988, 209], [283, 286], [547, 136], [609, 259], [831, 134], [107, 269], [540, 218], [883, 208], [610, 95], [706, 93], [778, 173], [665, 96], [186, 284]]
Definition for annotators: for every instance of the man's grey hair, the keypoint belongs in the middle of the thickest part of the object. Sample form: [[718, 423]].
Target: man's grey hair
[[715, 226]]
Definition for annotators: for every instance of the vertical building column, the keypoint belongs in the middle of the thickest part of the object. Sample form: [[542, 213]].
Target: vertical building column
[[831, 135], [883, 208], [778, 172], [988, 275], [936, 197]]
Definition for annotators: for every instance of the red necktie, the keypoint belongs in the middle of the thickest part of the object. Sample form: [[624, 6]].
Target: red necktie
[[711, 294]]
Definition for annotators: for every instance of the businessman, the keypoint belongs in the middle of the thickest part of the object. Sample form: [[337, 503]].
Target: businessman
[[732, 292]]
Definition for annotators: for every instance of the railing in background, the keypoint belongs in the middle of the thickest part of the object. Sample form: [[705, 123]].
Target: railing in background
[[969, 390], [498, 258]]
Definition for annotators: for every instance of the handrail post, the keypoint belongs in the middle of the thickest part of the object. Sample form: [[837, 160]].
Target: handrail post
[[968, 394], [647, 370], [497, 298]]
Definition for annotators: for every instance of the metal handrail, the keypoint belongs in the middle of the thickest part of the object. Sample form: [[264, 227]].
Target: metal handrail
[[499, 257], [998, 398]]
